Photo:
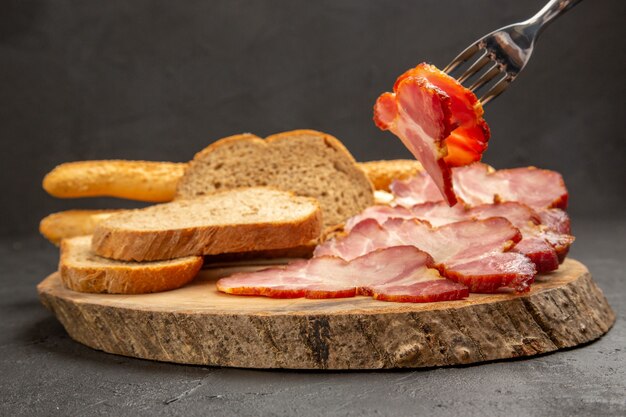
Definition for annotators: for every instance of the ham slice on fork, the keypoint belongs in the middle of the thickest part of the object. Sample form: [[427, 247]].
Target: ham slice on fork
[[437, 119]]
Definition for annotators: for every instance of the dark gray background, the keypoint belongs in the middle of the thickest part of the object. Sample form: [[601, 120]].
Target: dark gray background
[[159, 80]]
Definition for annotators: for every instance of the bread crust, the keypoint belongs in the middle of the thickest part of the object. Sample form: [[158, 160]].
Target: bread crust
[[329, 139], [71, 223], [359, 194], [382, 173], [133, 180], [112, 278], [224, 141], [128, 244]]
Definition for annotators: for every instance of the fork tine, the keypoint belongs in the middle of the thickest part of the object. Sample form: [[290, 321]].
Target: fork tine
[[496, 90], [461, 58], [475, 67], [486, 77]]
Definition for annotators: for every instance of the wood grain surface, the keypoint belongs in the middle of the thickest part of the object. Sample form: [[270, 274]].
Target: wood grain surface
[[197, 325]]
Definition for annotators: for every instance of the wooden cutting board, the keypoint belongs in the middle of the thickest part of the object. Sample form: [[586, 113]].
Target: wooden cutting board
[[198, 325]]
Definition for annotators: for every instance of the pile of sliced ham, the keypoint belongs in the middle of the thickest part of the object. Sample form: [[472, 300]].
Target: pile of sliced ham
[[398, 273], [473, 253], [420, 249], [509, 226], [479, 183], [545, 244]]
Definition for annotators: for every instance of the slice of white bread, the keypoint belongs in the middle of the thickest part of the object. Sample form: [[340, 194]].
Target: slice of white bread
[[238, 220], [71, 223], [82, 270], [307, 162], [133, 180]]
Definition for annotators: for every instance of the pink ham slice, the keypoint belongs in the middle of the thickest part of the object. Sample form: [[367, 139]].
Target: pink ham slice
[[473, 253], [533, 243], [381, 214], [401, 274], [555, 219], [418, 189], [419, 114], [438, 119], [537, 188], [557, 230], [435, 213], [478, 183], [544, 246]]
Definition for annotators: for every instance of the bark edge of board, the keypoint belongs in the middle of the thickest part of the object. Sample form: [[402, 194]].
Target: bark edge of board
[[396, 335]]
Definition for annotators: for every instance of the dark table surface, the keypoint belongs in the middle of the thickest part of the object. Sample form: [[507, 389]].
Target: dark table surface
[[44, 372]]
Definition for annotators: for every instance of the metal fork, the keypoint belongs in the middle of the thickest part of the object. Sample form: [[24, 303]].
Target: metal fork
[[508, 49]]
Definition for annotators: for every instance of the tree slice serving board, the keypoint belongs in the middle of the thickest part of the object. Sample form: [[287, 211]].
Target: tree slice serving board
[[198, 325]]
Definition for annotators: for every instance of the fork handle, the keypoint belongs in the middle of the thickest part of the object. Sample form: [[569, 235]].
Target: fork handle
[[549, 12]]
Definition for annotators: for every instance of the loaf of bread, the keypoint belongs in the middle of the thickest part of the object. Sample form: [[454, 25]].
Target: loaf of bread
[[238, 220], [83, 271], [71, 223], [307, 162], [157, 181], [133, 180]]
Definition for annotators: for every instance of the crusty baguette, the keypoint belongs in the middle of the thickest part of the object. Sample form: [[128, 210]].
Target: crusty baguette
[[133, 180], [157, 181], [71, 223], [83, 271], [381, 173], [307, 162], [238, 220]]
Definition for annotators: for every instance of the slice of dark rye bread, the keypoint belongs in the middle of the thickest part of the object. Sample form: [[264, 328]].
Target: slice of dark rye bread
[[82, 270], [238, 220], [307, 162]]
